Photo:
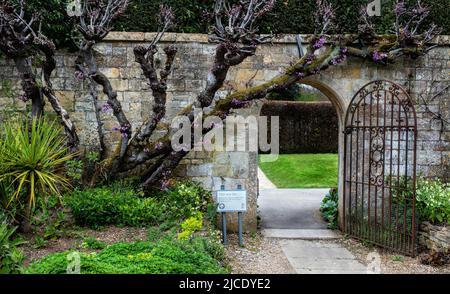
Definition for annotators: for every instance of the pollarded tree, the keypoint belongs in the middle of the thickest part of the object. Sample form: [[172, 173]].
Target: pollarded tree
[[235, 33], [20, 42]]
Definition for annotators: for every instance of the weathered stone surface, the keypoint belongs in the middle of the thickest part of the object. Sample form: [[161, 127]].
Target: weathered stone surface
[[195, 56], [435, 237]]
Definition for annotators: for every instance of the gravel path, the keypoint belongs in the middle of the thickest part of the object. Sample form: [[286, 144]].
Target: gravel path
[[392, 263], [262, 255], [259, 256]]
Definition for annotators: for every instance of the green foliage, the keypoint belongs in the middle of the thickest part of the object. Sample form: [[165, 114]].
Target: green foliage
[[39, 242], [288, 16], [11, 258], [184, 199], [329, 208], [93, 243], [166, 256], [74, 169], [92, 156], [433, 201], [103, 206], [32, 159], [190, 226], [154, 234], [50, 218], [123, 205], [294, 92], [398, 258], [7, 89], [56, 25]]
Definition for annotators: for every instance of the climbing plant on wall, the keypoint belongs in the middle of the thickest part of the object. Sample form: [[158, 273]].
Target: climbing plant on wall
[[234, 30]]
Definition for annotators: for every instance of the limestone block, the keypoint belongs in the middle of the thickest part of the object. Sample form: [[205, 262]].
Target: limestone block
[[67, 99], [119, 84], [119, 58], [104, 48], [435, 237], [110, 72], [194, 85], [429, 158], [199, 170]]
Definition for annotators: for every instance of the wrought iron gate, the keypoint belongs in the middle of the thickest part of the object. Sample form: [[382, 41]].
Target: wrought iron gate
[[380, 167]]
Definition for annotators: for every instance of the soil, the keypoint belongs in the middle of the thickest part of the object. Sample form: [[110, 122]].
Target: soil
[[74, 239]]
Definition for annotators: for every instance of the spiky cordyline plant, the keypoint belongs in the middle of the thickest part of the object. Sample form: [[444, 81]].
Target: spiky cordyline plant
[[32, 158]]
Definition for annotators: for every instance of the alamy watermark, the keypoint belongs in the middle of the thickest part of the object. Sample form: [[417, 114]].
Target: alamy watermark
[[374, 8], [233, 134], [73, 263]]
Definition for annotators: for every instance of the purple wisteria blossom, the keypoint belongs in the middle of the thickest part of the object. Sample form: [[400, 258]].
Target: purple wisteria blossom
[[23, 98], [106, 107], [123, 130], [79, 75], [318, 43], [238, 103], [310, 59], [165, 185], [377, 56], [400, 8], [159, 145], [340, 58]]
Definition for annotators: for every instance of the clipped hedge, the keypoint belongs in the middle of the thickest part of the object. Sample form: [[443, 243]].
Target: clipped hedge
[[288, 16], [305, 127]]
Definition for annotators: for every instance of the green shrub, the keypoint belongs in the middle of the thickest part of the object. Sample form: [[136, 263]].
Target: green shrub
[[11, 258], [122, 205], [184, 200], [104, 206], [163, 257], [433, 201], [329, 208], [190, 226], [92, 243]]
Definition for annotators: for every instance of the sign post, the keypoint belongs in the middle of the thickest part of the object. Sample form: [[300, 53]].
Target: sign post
[[232, 201], [241, 241]]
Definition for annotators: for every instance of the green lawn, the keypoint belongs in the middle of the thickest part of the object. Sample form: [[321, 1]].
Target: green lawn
[[302, 170]]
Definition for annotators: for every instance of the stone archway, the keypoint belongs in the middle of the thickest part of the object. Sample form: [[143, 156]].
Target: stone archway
[[340, 107]]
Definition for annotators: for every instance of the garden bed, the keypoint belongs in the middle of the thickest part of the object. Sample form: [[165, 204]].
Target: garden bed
[[74, 240]]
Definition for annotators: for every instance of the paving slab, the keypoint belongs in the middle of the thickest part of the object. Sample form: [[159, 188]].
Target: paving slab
[[322, 234], [291, 208], [315, 257]]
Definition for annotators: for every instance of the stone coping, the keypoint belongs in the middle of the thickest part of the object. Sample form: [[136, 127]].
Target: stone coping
[[115, 36]]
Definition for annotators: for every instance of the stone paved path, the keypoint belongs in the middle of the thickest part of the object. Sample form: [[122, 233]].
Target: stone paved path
[[293, 217], [318, 257], [291, 208]]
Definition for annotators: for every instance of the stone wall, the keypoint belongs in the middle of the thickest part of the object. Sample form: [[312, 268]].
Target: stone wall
[[116, 60], [433, 237]]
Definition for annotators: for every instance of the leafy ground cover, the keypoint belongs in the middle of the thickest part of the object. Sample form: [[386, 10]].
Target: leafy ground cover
[[200, 255]]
